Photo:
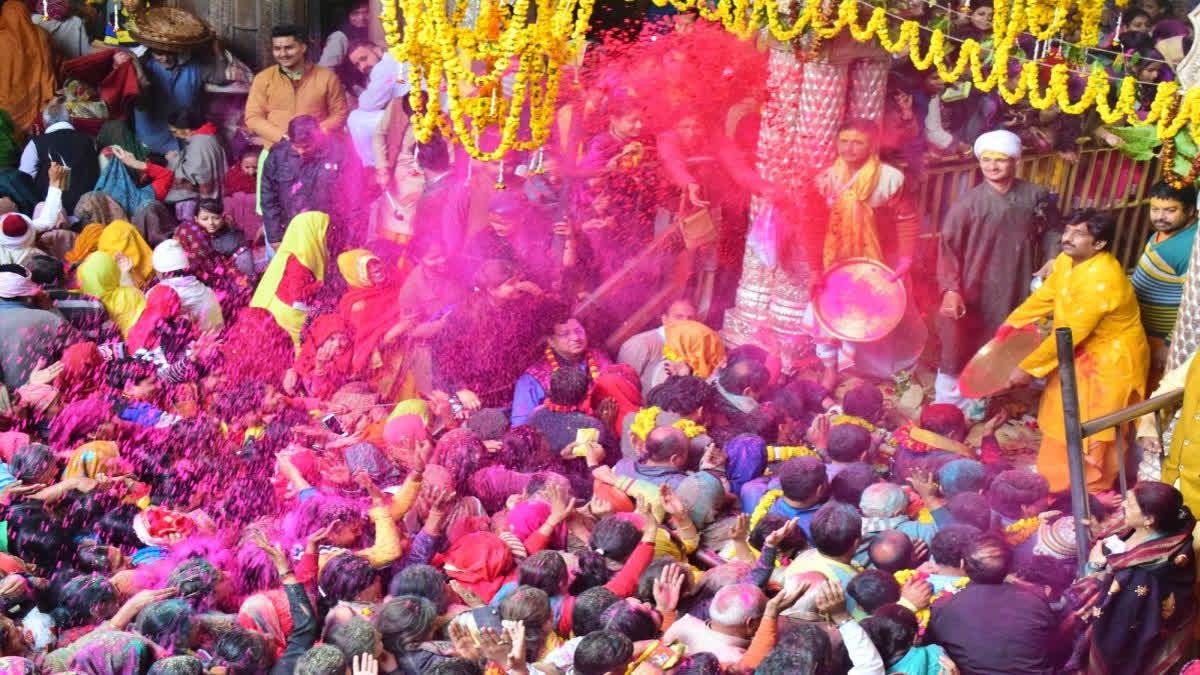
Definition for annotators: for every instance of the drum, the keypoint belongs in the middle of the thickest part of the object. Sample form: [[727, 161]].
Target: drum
[[858, 301], [987, 372]]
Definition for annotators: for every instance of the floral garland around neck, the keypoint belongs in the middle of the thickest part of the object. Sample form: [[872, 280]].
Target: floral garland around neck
[[905, 440], [902, 577], [592, 369], [646, 420], [1020, 531], [764, 505], [887, 445]]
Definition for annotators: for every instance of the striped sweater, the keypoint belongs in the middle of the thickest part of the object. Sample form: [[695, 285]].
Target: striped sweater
[[1158, 280]]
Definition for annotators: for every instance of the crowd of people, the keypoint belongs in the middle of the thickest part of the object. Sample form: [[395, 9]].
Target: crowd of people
[[314, 396]]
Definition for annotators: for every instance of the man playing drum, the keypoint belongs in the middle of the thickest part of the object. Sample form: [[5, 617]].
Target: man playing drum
[[869, 217]]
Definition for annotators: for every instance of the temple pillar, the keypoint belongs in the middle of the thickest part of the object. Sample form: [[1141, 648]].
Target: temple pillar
[[808, 99]]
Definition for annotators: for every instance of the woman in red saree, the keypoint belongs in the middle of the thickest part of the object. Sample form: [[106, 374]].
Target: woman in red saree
[[324, 363], [379, 324]]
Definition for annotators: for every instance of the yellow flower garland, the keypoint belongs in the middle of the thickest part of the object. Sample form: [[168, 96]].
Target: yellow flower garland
[[1023, 529], [646, 419], [468, 63]]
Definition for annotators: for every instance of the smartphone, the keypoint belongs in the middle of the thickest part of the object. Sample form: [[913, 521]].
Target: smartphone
[[331, 423]]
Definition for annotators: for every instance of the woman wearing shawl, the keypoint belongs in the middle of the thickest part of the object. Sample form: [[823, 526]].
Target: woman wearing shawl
[[295, 273], [121, 238], [241, 193], [1138, 600], [163, 309], [79, 422], [691, 349], [325, 360], [378, 323], [26, 65], [100, 277]]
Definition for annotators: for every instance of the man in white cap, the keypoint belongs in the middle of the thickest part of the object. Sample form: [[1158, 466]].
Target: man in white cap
[[993, 240]]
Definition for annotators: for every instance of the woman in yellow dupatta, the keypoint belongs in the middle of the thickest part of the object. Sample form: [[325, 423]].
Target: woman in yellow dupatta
[[26, 65], [99, 276], [92, 459], [379, 323], [121, 237], [304, 246]]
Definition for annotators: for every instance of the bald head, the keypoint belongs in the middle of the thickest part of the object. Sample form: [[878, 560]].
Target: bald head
[[891, 551], [665, 445]]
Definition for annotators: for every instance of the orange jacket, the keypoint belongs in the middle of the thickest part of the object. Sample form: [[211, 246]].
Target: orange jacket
[[275, 99]]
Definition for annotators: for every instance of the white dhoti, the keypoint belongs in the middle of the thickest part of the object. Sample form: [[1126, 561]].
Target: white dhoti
[[362, 125]]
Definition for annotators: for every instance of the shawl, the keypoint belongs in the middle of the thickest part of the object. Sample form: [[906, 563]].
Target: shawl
[[479, 561], [883, 507], [162, 303], [256, 348], [113, 653], [77, 421], [1138, 612], [116, 182], [100, 277], [204, 261], [366, 457], [96, 207], [116, 132], [122, 237], [8, 141], [268, 613], [851, 232], [26, 65], [118, 87], [337, 370], [92, 459], [695, 344], [198, 300], [156, 221], [369, 310], [528, 516], [303, 240], [17, 665]]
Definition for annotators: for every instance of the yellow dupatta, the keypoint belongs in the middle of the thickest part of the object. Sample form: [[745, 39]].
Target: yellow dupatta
[[303, 240], [122, 237], [851, 232], [100, 277]]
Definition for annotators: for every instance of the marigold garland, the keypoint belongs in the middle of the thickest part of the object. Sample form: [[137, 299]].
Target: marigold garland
[[467, 61], [592, 368], [1017, 533], [646, 420], [902, 578]]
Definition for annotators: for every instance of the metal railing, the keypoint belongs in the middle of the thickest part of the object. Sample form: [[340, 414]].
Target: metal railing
[[1077, 431]]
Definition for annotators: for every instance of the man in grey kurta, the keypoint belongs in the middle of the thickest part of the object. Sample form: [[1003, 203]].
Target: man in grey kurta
[[993, 240]]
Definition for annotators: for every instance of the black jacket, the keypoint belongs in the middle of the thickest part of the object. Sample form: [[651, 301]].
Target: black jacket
[[327, 180]]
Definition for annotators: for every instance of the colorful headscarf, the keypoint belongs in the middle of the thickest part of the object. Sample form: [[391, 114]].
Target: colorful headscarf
[[269, 614], [122, 237], [366, 457], [92, 459], [528, 516], [303, 240], [747, 459], [883, 507], [411, 406], [100, 277], [38, 397], [696, 344], [480, 562], [79, 377], [405, 429], [370, 309]]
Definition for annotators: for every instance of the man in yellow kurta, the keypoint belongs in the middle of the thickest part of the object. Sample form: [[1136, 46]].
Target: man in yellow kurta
[[1089, 293]]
